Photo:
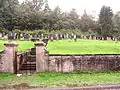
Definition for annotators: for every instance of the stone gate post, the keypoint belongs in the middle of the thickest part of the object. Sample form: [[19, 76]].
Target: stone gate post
[[9, 62], [41, 62]]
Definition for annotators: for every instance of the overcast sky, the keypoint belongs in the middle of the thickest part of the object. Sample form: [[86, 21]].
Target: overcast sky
[[92, 6]]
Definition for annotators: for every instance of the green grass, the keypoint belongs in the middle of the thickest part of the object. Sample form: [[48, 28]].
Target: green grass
[[75, 79], [72, 47], [84, 47], [23, 45]]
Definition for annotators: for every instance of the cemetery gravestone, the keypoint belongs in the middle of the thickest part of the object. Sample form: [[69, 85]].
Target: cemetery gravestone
[[26, 37], [51, 38], [45, 41], [61, 36], [0, 34], [90, 37], [10, 35], [75, 38]]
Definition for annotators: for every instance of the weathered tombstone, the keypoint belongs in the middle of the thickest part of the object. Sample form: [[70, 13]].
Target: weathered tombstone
[[19, 35], [45, 41], [67, 36], [35, 38], [26, 37], [110, 38], [90, 37], [3, 34], [61, 36], [72, 35], [16, 36], [57, 37], [30, 36], [102, 38], [115, 39], [75, 38], [85, 37], [51, 38], [41, 36], [0, 34], [10, 35], [5, 37], [38, 36]]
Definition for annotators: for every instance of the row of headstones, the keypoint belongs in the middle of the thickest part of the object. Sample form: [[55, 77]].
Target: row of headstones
[[13, 36], [100, 38]]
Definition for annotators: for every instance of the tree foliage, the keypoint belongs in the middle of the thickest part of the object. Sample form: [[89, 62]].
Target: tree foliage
[[105, 21], [37, 15]]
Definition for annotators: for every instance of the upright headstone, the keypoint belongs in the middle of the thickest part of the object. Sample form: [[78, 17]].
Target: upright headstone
[[16, 36], [90, 37], [3, 34], [102, 38], [67, 36], [56, 36], [0, 34], [94, 37], [116, 39], [51, 38], [75, 38], [26, 37], [10, 35], [61, 36]]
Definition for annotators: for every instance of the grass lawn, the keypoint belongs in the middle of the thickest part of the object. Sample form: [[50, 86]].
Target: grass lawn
[[23, 45], [84, 47], [75, 79], [72, 47]]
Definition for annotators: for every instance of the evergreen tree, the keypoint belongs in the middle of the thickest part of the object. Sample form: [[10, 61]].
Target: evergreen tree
[[105, 21]]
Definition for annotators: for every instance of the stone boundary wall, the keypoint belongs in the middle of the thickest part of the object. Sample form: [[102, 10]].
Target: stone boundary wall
[[2, 61], [69, 63]]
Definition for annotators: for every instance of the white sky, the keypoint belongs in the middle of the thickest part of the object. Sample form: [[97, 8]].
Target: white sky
[[92, 6]]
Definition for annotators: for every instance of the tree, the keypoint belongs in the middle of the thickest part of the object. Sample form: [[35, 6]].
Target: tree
[[105, 21], [116, 21], [73, 18], [86, 22], [7, 12], [31, 15]]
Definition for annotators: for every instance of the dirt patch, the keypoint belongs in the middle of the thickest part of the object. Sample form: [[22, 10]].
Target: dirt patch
[[23, 85]]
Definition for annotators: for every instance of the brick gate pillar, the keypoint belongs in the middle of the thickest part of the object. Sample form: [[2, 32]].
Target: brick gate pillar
[[9, 57], [41, 62]]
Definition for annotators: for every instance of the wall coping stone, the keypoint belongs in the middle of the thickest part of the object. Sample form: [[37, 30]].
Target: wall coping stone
[[83, 54], [39, 44], [11, 44]]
